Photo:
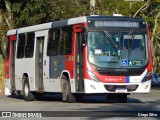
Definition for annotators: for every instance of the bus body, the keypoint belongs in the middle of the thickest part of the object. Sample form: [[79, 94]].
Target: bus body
[[78, 56]]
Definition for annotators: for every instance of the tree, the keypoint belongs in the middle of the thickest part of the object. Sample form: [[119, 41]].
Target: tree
[[152, 15], [6, 21]]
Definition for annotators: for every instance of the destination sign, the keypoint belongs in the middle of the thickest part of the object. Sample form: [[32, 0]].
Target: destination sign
[[115, 23]]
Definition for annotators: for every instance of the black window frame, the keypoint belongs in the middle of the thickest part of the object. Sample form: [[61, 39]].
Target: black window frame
[[66, 40], [21, 46], [53, 42], [29, 45]]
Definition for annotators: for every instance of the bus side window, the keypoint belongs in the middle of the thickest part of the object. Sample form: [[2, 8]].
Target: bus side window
[[21, 45], [29, 48], [53, 42], [66, 41]]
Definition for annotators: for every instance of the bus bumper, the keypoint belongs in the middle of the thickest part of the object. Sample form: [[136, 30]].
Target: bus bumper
[[7, 89], [99, 87]]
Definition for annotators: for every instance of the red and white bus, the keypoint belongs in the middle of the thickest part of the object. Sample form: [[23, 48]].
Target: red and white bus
[[102, 55]]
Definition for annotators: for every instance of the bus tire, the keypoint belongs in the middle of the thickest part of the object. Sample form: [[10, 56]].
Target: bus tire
[[67, 96], [27, 94], [123, 98]]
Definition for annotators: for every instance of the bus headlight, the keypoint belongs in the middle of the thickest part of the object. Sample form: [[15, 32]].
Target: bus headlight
[[147, 77], [92, 76]]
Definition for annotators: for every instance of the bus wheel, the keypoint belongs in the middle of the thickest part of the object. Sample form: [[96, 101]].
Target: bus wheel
[[66, 91], [123, 98], [27, 94]]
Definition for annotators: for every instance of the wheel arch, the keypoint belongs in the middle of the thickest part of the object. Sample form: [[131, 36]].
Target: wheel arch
[[26, 76]]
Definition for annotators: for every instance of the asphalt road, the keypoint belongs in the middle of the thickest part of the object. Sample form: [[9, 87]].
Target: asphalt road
[[51, 105]]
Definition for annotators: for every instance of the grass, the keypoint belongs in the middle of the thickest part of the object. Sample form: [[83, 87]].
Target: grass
[[1, 59], [1, 73]]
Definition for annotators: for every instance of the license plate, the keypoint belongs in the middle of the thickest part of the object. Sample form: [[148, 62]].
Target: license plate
[[121, 90]]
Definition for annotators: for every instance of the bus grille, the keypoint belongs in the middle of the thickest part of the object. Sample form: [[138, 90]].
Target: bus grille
[[112, 88], [113, 73]]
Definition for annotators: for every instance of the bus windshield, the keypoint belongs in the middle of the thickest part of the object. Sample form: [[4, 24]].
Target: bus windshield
[[117, 49]]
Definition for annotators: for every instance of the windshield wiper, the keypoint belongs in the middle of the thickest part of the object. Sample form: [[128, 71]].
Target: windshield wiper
[[111, 40]]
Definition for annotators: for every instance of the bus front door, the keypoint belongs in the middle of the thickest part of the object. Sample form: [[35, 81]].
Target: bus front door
[[79, 67]]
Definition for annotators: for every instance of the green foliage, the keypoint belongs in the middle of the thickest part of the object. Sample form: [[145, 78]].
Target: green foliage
[[150, 21], [40, 11], [0, 48], [31, 12], [1, 73]]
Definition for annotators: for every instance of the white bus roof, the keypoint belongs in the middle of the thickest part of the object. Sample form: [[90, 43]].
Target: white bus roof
[[11, 32], [35, 28], [48, 25], [61, 23]]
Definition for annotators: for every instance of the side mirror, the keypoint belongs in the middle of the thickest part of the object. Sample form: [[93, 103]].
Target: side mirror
[[84, 35], [84, 29], [84, 38]]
